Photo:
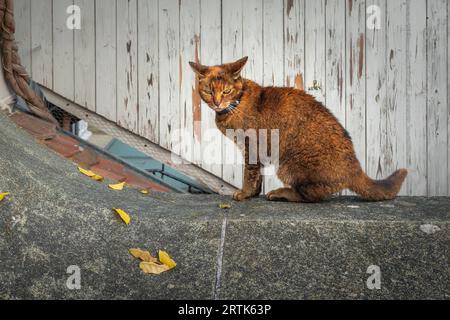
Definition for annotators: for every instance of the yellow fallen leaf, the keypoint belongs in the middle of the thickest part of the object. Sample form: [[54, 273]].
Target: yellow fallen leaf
[[123, 215], [97, 178], [145, 191], [3, 195], [91, 174], [118, 187], [88, 173], [225, 206], [143, 255], [166, 259], [153, 268]]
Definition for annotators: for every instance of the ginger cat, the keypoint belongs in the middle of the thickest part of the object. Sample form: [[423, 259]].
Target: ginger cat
[[317, 158]]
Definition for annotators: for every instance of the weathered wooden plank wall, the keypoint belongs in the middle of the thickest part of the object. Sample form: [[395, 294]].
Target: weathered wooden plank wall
[[356, 76], [63, 51], [169, 73], [416, 99], [437, 97], [376, 35], [22, 12], [127, 95], [105, 59], [273, 62], [148, 71], [448, 98], [84, 50], [381, 66], [335, 64], [210, 54], [232, 49], [42, 67], [190, 102]]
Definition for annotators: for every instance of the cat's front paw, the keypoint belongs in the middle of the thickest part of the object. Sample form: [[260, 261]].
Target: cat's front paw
[[241, 196]]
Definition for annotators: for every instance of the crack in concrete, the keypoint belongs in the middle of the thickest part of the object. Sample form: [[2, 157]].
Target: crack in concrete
[[220, 259]]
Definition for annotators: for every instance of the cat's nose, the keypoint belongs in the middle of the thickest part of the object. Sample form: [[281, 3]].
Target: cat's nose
[[217, 101]]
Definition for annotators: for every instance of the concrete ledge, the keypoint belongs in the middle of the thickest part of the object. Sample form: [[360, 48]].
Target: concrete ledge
[[55, 218]]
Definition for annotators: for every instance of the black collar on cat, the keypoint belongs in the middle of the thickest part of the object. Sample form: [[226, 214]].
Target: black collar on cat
[[230, 108]]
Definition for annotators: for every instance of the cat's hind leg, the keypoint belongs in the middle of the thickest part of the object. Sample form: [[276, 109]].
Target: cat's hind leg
[[284, 194], [316, 192]]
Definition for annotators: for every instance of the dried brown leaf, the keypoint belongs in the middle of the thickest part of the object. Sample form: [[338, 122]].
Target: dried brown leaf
[[153, 268], [142, 255]]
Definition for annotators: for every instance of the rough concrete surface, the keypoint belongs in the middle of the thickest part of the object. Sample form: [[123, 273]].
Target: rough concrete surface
[[55, 218]]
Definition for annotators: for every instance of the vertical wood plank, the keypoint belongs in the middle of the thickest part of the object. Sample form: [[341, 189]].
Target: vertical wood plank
[[376, 89], [273, 64], [63, 57], [232, 30], [106, 80], [85, 58], [148, 72], [396, 86], [190, 101], [232, 48], [252, 29], [169, 117], [315, 48], [211, 54], [22, 14], [356, 77], [127, 104], [335, 62], [437, 99], [416, 98], [448, 97], [42, 44], [273, 43], [294, 43], [253, 40]]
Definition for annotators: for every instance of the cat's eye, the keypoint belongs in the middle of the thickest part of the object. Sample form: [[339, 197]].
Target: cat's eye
[[228, 91], [207, 92]]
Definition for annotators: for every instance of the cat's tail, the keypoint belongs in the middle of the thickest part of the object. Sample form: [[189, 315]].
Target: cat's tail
[[379, 190]]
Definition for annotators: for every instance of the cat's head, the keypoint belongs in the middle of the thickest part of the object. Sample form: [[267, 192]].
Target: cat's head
[[220, 86]]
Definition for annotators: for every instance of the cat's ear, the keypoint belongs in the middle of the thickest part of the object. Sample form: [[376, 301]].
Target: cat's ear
[[199, 69], [236, 67]]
